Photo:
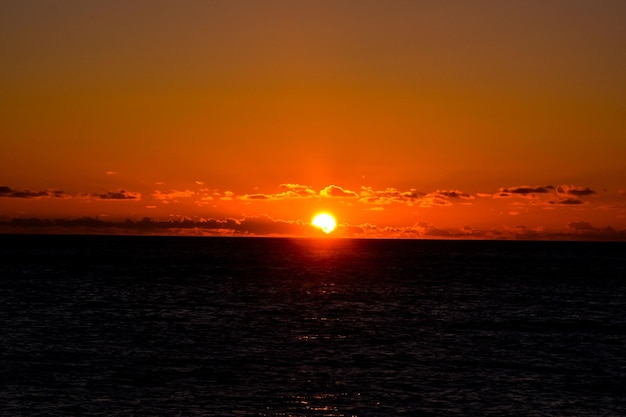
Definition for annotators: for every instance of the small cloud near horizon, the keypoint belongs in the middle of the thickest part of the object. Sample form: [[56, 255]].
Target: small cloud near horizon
[[8, 192], [336, 191], [117, 195]]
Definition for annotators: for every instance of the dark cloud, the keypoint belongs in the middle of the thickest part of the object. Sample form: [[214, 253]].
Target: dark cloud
[[525, 190], [580, 226], [253, 226], [568, 201], [267, 226], [575, 191], [453, 194], [585, 230], [118, 195], [11, 193]]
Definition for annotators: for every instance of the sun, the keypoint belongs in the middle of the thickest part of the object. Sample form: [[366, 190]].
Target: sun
[[324, 221]]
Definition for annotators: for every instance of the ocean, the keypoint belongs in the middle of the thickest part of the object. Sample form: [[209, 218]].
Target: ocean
[[199, 326]]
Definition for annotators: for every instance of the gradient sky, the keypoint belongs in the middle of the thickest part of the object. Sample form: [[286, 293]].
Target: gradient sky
[[481, 119]]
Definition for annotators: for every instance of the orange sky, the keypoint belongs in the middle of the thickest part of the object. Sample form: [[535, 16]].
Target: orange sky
[[458, 119]]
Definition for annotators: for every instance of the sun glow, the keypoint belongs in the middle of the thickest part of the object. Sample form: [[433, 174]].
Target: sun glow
[[324, 221]]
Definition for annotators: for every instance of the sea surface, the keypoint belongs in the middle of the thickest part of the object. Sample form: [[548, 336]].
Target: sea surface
[[192, 326]]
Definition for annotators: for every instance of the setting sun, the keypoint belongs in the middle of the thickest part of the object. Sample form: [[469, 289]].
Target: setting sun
[[324, 221]]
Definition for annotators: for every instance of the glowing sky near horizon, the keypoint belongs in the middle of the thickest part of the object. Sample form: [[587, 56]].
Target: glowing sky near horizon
[[401, 118]]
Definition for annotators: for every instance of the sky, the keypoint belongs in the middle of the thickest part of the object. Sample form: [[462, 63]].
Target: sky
[[401, 118]]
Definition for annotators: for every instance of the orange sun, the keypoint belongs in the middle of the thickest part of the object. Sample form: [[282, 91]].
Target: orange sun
[[324, 221]]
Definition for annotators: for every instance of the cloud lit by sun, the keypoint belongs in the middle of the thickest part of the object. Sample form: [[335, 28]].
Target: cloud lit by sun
[[325, 222]]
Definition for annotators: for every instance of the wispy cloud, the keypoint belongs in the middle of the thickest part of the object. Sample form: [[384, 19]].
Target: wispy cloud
[[389, 196], [412, 197], [172, 195], [285, 191]]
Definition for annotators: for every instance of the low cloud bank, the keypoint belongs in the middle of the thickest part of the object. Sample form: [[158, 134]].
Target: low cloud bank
[[268, 226]]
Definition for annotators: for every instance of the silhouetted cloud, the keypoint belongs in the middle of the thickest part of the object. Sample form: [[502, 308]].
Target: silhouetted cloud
[[11, 193], [268, 226], [573, 190], [336, 191], [253, 226], [567, 201], [118, 195], [587, 231], [580, 226], [453, 194], [525, 190]]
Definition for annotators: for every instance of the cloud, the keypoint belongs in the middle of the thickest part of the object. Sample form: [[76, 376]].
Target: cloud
[[118, 195], [587, 231], [580, 226], [573, 190], [336, 191], [285, 191], [11, 193], [389, 195], [228, 196], [267, 226], [525, 190], [453, 194], [249, 226], [548, 195], [256, 197], [434, 200], [567, 201], [296, 190], [172, 195], [442, 198], [111, 172], [411, 197]]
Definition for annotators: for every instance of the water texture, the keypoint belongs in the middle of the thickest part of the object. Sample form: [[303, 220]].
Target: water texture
[[162, 326]]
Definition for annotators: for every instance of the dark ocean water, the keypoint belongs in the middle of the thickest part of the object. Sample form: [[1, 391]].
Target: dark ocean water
[[123, 326]]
